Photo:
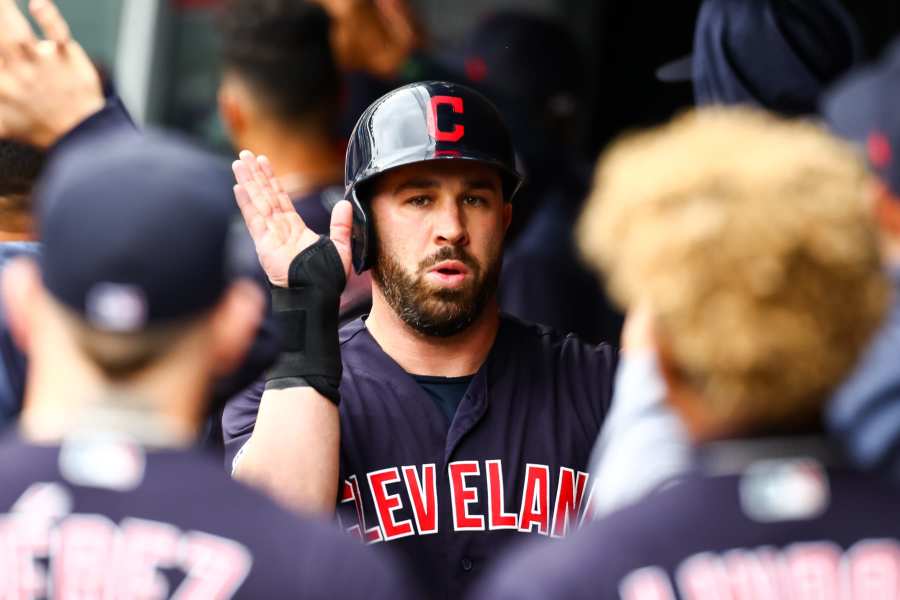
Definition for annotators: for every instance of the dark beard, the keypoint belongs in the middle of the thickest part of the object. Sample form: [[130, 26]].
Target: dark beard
[[436, 312]]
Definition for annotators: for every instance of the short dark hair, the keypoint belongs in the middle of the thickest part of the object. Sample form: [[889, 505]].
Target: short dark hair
[[282, 48], [20, 166]]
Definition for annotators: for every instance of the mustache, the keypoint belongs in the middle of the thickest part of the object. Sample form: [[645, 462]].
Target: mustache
[[449, 253]]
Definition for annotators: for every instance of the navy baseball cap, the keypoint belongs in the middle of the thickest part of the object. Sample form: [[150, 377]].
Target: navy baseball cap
[[864, 108], [135, 231], [777, 54]]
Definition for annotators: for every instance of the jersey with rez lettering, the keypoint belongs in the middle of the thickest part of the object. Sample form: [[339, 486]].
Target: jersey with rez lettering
[[449, 499], [102, 518], [785, 526]]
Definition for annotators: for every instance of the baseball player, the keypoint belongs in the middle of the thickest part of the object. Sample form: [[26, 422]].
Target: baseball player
[[133, 311], [281, 96], [862, 414], [779, 56], [461, 430], [743, 236], [51, 99], [21, 163]]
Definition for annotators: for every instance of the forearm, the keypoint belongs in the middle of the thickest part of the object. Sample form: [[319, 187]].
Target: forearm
[[293, 453]]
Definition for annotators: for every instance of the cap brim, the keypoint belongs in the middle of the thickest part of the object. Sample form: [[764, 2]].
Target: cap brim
[[678, 70]]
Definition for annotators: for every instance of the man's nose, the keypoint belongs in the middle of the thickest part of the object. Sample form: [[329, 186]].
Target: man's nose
[[449, 225]]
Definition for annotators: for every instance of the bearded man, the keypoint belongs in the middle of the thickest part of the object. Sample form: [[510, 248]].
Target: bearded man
[[460, 429]]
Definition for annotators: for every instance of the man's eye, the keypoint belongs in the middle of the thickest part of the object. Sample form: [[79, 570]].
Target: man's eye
[[419, 200], [475, 200]]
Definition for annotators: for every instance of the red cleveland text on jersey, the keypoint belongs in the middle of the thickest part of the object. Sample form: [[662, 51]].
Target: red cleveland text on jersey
[[90, 556], [413, 491], [821, 570]]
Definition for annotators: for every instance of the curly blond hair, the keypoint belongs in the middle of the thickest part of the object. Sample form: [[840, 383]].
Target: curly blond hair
[[748, 237]]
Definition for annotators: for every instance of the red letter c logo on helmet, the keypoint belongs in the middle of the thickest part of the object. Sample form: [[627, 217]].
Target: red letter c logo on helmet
[[445, 135]]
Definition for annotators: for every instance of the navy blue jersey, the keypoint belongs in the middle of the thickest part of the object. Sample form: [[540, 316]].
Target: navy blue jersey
[[106, 519], [315, 207], [782, 525], [451, 497]]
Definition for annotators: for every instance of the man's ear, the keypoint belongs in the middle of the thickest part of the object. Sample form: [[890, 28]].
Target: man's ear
[[20, 286], [235, 323], [231, 109]]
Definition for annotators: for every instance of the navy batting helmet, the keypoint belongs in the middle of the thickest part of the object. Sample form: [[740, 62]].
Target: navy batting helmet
[[420, 122]]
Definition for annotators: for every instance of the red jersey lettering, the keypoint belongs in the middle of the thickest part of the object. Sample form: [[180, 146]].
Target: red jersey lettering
[[423, 495], [462, 496], [387, 504], [497, 518], [535, 510]]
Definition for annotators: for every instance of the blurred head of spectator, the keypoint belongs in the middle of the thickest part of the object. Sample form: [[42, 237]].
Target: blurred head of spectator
[[280, 93], [528, 61], [532, 68], [131, 296], [747, 238], [777, 54], [20, 166], [863, 108]]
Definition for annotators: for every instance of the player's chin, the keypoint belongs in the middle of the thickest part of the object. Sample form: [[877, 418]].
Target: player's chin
[[450, 295]]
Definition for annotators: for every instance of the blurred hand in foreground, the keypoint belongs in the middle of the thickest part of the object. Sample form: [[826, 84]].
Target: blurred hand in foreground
[[47, 86]]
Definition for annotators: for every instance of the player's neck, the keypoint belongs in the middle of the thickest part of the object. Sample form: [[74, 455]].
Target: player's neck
[[63, 398], [454, 356], [303, 163]]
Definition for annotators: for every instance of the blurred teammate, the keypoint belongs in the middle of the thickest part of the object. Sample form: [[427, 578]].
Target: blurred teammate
[[68, 78], [51, 98], [134, 308], [780, 55], [281, 95], [745, 239], [460, 429], [775, 54], [864, 413]]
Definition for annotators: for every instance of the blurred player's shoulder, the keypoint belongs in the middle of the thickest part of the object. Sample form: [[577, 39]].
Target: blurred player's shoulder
[[185, 494], [772, 511]]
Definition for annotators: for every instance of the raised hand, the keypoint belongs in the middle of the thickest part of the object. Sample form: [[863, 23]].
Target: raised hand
[[46, 86], [278, 231]]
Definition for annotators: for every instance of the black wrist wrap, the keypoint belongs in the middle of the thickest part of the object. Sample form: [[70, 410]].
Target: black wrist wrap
[[306, 313]]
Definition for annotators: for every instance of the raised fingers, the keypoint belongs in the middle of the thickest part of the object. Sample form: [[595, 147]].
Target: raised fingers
[[256, 224], [252, 163], [51, 21], [15, 32], [284, 201], [258, 198]]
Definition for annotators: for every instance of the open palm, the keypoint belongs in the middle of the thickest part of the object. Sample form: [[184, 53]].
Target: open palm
[[278, 231]]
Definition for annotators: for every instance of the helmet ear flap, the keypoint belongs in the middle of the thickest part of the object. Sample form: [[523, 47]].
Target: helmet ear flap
[[362, 235]]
